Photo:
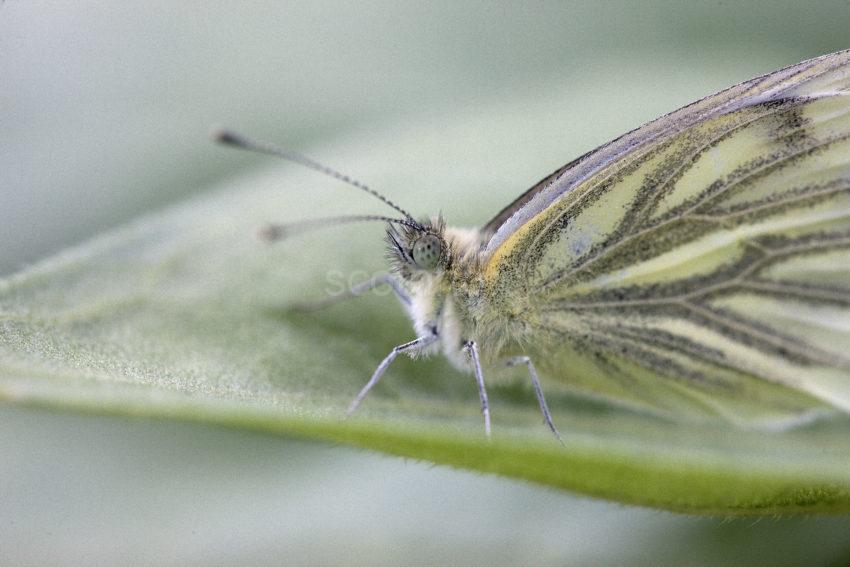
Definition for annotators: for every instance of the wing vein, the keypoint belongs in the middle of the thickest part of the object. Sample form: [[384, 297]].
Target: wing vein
[[765, 168]]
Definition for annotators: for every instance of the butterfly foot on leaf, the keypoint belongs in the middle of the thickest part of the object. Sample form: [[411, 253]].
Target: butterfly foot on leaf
[[538, 391]]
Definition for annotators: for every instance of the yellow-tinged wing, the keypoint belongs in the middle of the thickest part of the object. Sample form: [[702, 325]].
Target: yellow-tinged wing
[[701, 263]]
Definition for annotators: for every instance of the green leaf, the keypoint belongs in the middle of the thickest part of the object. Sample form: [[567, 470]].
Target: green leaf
[[184, 315]]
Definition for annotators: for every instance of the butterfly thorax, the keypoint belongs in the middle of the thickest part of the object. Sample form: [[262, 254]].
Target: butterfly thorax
[[439, 267]]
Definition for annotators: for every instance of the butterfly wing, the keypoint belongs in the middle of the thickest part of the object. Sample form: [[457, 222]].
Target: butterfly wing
[[700, 262]]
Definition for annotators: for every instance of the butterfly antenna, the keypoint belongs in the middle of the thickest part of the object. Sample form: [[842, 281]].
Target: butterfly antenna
[[273, 232], [230, 138]]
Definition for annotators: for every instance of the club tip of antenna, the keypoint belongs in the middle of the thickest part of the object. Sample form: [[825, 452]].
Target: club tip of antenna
[[222, 135], [271, 233]]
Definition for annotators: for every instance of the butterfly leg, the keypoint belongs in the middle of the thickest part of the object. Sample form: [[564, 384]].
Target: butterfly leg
[[472, 349], [538, 391], [416, 344], [356, 291]]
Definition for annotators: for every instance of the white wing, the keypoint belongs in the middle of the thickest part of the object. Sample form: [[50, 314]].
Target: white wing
[[701, 261]]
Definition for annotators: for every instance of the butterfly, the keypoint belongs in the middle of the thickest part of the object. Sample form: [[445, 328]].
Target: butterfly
[[697, 267]]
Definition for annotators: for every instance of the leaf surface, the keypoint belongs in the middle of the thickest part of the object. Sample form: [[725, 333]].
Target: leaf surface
[[185, 315]]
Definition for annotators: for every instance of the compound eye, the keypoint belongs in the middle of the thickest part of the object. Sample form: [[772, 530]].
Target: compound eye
[[426, 252]]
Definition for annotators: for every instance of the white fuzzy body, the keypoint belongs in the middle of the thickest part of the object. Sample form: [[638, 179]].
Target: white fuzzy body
[[432, 302], [449, 327]]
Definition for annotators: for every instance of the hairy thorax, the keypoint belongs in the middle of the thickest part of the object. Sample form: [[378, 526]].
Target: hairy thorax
[[455, 304]]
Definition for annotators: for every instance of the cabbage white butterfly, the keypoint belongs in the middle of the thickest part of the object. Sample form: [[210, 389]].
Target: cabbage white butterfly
[[697, 267]]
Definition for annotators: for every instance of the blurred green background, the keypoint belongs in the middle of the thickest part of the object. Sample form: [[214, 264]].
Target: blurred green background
[[105, 109]]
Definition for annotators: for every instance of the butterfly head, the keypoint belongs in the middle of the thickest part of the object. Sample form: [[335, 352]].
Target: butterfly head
[[418, 248]]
